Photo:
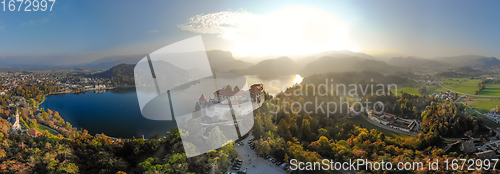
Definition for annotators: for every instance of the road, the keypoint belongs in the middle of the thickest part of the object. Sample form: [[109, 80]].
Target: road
[[250, 159]]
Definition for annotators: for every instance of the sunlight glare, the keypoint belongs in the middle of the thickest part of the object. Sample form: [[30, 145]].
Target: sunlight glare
[[298, 79], [294, 30]]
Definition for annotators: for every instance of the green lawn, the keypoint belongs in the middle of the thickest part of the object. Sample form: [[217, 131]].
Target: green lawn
[[492, 89], [468, 86], [431, 89], [484, 105], [414, 90], [464, 85], [409, 90], [42, 129]]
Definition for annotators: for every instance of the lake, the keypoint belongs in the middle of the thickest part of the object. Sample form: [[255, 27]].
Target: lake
[[116, 112]]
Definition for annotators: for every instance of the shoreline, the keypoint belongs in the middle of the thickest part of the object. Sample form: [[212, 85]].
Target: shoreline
[[83, 92]]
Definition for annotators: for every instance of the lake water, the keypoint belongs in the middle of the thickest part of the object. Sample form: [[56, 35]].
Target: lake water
[[273, 84], [116, 112]]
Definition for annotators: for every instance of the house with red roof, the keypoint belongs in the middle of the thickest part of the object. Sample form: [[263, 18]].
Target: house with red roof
[[34, 132]]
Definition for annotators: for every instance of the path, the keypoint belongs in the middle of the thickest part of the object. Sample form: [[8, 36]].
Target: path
[[251, 159], [262, 165]]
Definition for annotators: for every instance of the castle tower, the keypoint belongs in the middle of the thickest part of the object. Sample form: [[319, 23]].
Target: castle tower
[[202, 101], [17, 116]]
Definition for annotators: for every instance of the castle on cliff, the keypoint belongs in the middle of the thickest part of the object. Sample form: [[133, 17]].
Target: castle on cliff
[[241, 101]]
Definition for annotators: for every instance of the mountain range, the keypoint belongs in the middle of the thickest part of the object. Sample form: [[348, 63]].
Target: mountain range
[[331, 61]]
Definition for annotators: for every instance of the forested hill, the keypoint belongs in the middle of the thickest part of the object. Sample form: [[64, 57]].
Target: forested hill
[[122, 74]]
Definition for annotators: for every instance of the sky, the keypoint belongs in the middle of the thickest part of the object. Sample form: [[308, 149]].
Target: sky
[[77, 32]]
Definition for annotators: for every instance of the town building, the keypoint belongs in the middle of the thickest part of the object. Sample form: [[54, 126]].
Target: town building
[[242, 102], [493, 115], [15, 121], [34, 132], [257, 92], [394, 122], [222, 95]]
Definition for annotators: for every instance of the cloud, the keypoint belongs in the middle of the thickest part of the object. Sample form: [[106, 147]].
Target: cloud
[[224, 23], [294, 30], [1, 28], [43, 19], [152, 31]]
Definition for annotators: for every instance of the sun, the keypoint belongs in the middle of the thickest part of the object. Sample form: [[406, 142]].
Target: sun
[[298, 79], [295, 30]]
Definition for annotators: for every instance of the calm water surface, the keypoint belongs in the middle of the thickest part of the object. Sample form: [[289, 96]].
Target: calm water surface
[[115, 113]]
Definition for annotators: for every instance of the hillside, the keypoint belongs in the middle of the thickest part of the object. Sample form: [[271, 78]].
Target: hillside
[[278, 66], [458, 61], [124, 73], [304, 61], [223, 61], [417, 62], [110, 62], [486, 62], [220, 61], [345, 64], [121, 70]]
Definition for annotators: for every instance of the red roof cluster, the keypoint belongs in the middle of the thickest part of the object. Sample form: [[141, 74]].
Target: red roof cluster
[[235, 92], [202, 98], [34, 132], [257, 88]]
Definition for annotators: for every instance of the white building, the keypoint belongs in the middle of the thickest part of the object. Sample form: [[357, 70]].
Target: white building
[[15, 121], [242, 102]]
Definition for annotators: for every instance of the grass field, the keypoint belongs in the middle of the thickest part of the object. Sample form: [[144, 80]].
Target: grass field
[[464, 85], [492, 89], [409, 90], [42, 129], [435, 89], [484, 105], [468, 86], [414, 90]]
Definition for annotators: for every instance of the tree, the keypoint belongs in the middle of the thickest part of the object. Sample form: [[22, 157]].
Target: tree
[[216, 138], [45, 115], [68, 168], [422, 90]]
